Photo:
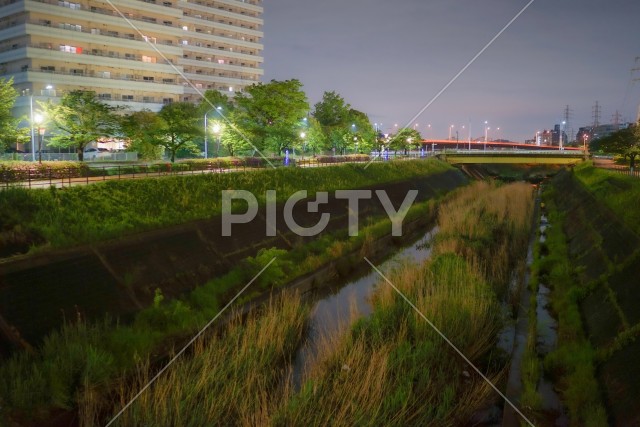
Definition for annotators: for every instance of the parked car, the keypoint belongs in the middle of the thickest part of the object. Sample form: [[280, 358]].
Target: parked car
[[93, 153]]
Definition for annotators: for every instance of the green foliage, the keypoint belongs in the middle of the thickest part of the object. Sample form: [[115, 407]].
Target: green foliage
[[405, 139], [625, 142], [332, 111], [270, 114], [573, 362], [80, 119], [144, 129], [179, 128], [82, 214], [618, 192], [9, 132]]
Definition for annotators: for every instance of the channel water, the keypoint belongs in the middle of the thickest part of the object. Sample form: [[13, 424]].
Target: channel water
[[336, 305]]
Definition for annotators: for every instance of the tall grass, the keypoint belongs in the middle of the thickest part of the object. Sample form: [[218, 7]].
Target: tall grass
[[227, 379], [392, 368], [65, 373]]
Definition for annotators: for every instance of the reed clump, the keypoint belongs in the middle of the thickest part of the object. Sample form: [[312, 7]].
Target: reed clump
[[227, 378], [393, 367]]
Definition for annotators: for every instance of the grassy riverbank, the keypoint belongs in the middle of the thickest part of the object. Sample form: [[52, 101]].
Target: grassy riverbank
[[34, 219], [618, 192], [392, 368], [77, 366]]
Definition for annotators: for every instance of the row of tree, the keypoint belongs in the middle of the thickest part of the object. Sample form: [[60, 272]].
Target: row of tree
[[269, 118], [624, 143]]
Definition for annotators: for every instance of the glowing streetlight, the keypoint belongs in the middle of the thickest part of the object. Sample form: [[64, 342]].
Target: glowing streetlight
[[216, 128], [486, 134], [206, 129]]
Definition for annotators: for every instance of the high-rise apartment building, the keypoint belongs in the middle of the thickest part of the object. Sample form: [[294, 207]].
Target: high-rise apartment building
[[142, 54]]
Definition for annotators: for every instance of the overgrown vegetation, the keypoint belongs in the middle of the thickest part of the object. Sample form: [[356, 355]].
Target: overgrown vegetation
[[392, 368], [618, 192], [229, 378], [573, 364], [76, 215], [391, 365], [77, 365]]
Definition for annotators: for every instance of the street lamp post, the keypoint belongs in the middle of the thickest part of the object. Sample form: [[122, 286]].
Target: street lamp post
[[27, 92], [450, 129], [584, 144], [38, 119], [206, 130], [486, 134], [216, 130]]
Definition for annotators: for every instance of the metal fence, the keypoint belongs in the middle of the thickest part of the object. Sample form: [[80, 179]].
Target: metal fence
[[47, 176], [626, 171], [73, 157]]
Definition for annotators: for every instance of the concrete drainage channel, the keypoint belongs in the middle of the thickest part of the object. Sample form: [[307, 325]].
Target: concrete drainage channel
[[546, 340]]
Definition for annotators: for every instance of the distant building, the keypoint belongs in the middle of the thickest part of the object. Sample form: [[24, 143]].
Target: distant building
[[164, 51], [549, 137], [598, 131]]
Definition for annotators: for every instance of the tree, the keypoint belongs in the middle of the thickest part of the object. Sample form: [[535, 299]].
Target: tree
[[231, 138], [212, 100], [625, 142], [405, 139], [144, 130], [81, 119], [270, 114], [9, 131], [315, 139], [364, 133], [179, 128], [332, 111]]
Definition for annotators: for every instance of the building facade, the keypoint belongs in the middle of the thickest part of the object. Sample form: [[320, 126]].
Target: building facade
[[136, 53]]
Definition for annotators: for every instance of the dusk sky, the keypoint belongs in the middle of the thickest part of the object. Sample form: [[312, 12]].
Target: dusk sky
[[390, 58]]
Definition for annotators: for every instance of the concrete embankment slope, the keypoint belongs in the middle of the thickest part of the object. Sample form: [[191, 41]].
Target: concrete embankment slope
[[120, 277], [606, 256]]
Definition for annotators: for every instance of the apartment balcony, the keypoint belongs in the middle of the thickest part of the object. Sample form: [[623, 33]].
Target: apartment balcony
[[89, 58], [209, 7], [248, 69], [96, 82], [215, 78]]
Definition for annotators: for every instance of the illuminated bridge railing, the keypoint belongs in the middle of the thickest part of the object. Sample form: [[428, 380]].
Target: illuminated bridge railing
[[502, 152]]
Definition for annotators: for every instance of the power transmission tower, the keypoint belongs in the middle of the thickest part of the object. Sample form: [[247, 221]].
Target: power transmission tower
[[633, 70], [596, 115], [616, 119]]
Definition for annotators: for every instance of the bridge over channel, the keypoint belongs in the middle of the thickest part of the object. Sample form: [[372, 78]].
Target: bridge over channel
[[555, 157], [479, 152]]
